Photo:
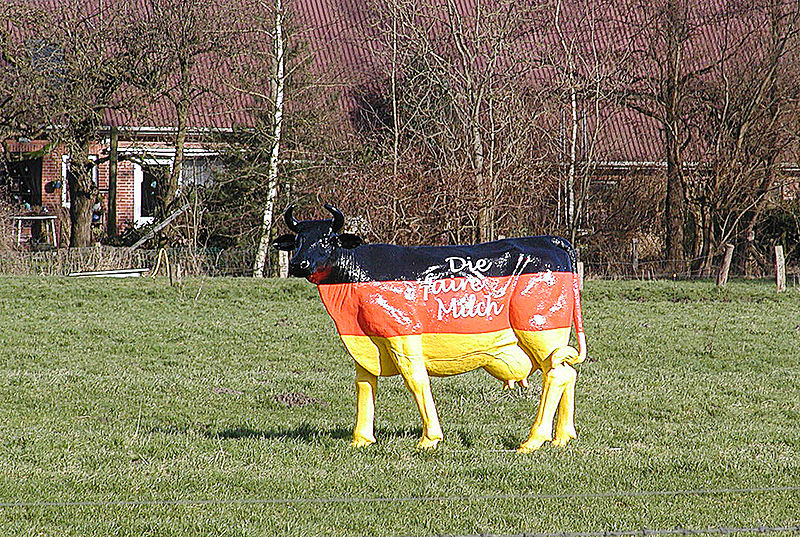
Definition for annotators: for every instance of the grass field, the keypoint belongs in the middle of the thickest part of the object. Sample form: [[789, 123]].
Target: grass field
[[136, 408]]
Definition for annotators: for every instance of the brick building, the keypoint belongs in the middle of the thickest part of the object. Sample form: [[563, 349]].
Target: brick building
[[38, 186]]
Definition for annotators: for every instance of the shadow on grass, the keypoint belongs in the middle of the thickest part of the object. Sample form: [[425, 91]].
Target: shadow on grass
[[510, 442], [308, 433]]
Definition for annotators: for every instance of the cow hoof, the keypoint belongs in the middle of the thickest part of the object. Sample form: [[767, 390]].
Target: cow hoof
[[428, 443], [561, 441], [562, 438], [531, 444], [361, 442]]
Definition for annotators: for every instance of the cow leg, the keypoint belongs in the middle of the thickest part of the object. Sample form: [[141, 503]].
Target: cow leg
[[407, 354], [366, 386], [554, 382], [565, 423]]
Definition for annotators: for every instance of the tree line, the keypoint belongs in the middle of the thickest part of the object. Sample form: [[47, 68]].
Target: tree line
[[669, 121]]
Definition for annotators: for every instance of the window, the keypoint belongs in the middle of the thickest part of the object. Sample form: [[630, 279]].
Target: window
[[153, 170], [152, 178], [22, 179], [147, 179], [200, 170]]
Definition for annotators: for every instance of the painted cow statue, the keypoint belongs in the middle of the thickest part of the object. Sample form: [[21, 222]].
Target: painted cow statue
[[505, 306]]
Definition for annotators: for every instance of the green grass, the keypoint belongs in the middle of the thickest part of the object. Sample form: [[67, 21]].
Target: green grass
[[119, 391]]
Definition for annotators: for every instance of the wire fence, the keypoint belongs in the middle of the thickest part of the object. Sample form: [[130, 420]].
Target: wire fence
[[402, 499], [239, 262], [746, 260], [757, 530], [790, 528], [65, 261]]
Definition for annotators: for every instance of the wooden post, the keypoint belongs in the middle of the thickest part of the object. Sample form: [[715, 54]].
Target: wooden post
[[635, 255], [580, 275], [283, 264], [722, 277], [780, 269], [111, 220]]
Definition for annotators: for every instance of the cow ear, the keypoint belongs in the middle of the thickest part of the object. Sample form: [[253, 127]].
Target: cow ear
[[284, 242], [349, 241]]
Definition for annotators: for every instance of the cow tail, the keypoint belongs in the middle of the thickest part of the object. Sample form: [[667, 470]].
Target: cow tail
[[577, 320], [577, 313]]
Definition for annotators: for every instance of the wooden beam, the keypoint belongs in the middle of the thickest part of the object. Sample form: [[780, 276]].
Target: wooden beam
[[161, 225]]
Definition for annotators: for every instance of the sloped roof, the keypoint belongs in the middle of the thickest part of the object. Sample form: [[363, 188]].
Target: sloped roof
[[346, 50], [729, 35]]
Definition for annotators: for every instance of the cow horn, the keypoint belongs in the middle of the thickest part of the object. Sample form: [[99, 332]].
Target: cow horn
[[291, 223], [338, 217]]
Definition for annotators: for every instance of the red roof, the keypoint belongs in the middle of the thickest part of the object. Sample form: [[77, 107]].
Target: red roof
[[344, 40]]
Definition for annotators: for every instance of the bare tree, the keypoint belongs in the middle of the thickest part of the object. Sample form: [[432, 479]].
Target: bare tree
[[23, 106], [743, 104], [278, 88], [188, 44], [779, 72], [657, 80], [581, 82], [83, 52], [457, 92], [290, 139]]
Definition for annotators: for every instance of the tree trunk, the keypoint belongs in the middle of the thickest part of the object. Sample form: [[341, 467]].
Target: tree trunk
[[673, 213], [113, 159], [277, 124], [82, 194], [572, 221], [169, 190], [772, 150], [709, 242], [479, 171]]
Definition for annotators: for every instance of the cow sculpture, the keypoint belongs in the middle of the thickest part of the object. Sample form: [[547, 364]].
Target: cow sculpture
[[506, 306]]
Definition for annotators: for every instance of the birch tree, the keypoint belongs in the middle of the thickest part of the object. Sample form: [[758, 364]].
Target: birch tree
[[582, 79], [278, 86]]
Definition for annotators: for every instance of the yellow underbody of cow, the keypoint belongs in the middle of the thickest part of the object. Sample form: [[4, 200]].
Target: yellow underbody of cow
[[506, 354], [509, 355]]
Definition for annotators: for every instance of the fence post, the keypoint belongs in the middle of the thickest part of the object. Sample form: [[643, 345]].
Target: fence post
[[283, 264], [635, 255], [580, 275], [722, 277], [780, 269]]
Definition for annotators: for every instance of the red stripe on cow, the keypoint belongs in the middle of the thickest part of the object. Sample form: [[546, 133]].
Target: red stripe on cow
[[530, 302]]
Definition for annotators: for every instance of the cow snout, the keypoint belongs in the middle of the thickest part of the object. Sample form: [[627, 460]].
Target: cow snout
[[300, 268]]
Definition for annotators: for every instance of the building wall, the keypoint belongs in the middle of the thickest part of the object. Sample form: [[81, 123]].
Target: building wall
[[53, 183]]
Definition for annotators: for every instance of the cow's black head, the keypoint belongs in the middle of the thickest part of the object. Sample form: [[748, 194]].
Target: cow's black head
[[314, 243]]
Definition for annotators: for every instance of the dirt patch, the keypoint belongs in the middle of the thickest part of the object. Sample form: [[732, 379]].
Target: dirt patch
[[297, 399], [227, 391]]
